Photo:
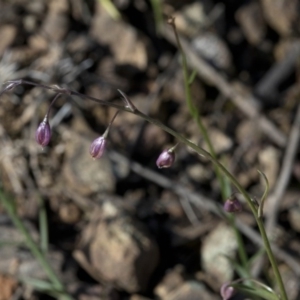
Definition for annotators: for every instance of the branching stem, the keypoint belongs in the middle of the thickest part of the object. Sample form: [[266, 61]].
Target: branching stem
[[193, 146]]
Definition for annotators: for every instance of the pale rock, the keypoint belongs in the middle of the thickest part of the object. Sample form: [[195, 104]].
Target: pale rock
[[219, 140], [217, 246], [281, 14], [212, 48], [171, 281], [116, 249], [191, 18], [250, 18]]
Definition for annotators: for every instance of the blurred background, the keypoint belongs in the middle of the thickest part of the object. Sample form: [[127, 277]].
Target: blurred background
[[118, 227]]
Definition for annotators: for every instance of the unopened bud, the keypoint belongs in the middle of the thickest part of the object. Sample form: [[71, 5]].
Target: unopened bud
[[226, 291], [97, 147], [43, 133], [233, 205], [166, 159]]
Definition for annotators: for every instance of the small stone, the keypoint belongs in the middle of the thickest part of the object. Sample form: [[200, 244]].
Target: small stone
[[8, 34], [171, 281], [221, 242], [281, 14], [199, 172], [122, 38], [219, 140], [69, 213], [117, 249], [252, 23], [211, 47]]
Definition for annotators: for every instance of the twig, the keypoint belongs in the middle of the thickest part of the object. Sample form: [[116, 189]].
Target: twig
[[188, 209], [152, 96], [289, 157], [200, 151], [269, 84]]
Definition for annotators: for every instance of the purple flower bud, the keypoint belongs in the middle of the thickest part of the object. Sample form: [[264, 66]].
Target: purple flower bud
[[166, 159], [43, 133], [226, 291], [97, 147], [233, 205]]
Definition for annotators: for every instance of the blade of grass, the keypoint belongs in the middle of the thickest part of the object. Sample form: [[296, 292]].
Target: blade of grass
[[158, 15], [256, 292], [111, 9], [38, 284], [43, 221], [44, 286], [8, 204]]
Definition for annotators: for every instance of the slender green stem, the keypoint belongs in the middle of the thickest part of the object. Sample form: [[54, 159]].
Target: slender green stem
[[196, 115], [260, 224], [192, 109], [271, 258], [188, 143], [32, 245]]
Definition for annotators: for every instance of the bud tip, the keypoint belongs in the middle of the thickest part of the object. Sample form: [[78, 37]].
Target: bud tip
[[226, 291], [97, 147], [43, 133], [233, 205], [166, 159]]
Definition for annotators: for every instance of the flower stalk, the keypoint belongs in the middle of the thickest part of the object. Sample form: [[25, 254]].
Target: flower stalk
[[197, 149], [98, 146]]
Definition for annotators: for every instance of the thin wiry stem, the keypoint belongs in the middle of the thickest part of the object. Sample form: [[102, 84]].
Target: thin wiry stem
[[224, 185], [187, 142]]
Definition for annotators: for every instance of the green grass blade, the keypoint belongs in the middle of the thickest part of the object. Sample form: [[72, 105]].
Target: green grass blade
[[256, 292], [111, 9], [158, 15], [43, 221]]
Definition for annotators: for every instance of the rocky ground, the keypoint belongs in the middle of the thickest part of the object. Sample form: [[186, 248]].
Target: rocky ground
[[119, 227]]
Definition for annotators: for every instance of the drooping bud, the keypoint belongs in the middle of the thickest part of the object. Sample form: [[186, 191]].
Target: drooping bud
[[166, 159], [226, 291], [97, 147], [43, 133], [233, 205]]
